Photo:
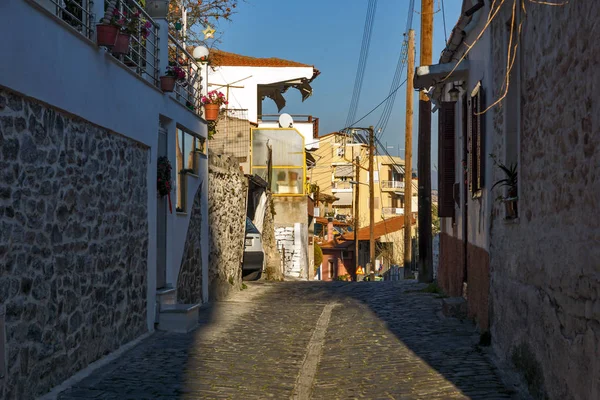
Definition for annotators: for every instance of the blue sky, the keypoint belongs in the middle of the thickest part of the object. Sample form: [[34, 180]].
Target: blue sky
[[328, 34]]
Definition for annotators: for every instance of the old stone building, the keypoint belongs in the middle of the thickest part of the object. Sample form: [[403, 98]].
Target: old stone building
[[524, 253]]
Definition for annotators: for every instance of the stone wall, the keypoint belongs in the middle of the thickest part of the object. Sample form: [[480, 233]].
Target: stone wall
[[545, 288], [227, 192], [189, 282], [73, 243], [273, 263]]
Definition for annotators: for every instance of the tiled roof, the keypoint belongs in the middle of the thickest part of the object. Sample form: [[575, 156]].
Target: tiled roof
[[381, 228], [224, 58]]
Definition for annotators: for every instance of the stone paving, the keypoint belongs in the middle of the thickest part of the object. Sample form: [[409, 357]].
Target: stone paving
[[380, 340]]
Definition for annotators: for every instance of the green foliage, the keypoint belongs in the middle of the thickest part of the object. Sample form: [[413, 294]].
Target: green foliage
[[433, 288], [244, 286], [511, 177], [318, 256]]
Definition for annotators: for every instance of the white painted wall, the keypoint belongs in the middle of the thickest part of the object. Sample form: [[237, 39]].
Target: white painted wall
[[59, 66], [480, 69], [245, 97]]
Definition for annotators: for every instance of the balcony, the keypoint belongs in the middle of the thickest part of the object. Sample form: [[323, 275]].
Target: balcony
[[392, 185], [188, 91], [392, 211], [341, 186]]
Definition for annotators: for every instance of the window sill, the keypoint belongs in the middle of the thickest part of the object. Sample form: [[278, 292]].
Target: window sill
[[180, 213], [511, 221]]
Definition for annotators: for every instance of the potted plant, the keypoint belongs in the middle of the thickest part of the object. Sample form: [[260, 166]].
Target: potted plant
[[212, 102], [510, 182], [174, 74], [134, 24], [107, 31]]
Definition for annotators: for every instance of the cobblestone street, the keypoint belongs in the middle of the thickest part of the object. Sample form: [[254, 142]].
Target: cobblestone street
[[341, 340]]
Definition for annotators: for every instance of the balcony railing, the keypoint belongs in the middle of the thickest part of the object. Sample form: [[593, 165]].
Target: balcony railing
[[77, 13], [142, 57], [392, 211], [392, 184], [341, 185], [189, 90]]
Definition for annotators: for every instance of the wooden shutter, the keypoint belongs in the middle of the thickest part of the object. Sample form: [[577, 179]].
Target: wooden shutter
[[446, 159], [476, 141]]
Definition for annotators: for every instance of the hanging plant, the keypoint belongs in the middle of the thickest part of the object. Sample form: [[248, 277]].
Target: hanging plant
[[163, 179]]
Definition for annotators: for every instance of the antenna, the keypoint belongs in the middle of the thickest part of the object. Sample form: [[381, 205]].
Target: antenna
[[286, 121]]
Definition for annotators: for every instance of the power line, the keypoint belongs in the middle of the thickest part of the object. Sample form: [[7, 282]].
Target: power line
[[444, 18], [362, 60]]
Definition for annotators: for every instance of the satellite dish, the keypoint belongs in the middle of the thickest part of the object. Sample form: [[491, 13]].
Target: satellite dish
[[286, 121]]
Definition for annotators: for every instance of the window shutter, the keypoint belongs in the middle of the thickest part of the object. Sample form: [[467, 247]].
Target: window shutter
[[446, 159]]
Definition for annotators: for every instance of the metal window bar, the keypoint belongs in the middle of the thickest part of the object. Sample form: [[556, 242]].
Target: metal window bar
[[76, 13], [233, 134], [188, 91], [142, 57]]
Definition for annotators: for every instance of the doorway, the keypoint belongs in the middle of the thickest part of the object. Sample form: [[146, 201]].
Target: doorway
[[161, 220]]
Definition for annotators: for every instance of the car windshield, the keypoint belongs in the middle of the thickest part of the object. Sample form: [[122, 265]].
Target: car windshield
[[250, 228]]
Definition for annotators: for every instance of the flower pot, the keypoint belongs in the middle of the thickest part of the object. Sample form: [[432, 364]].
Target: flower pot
[[511, 207], [293, 176], [211, 112], [167, 83], [106, 35], [122, 44]]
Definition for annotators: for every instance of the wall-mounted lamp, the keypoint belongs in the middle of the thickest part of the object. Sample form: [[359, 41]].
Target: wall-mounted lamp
[[454, 93], [200, 53]]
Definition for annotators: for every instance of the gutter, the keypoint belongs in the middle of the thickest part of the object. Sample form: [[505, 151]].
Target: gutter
[[463, 27]]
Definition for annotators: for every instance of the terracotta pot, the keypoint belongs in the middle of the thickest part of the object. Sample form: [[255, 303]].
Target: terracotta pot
[[167, 83], [106, 35], [211, 112], [122, 44], [511, 207]]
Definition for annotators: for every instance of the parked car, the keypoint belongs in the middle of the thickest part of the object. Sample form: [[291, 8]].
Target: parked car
[[254, 255]]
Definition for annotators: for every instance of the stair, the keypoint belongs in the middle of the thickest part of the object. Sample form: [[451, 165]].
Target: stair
[[166, 295], [179, 318]]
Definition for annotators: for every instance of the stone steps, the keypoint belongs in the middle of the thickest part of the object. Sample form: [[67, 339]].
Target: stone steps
[[179, 318]]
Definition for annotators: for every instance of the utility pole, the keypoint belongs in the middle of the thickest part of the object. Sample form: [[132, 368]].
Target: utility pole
[[356, 213], [371, 205], [408, 155], [424, 141]]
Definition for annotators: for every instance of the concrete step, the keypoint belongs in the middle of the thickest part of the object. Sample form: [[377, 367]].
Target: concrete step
[[166, 296], [180, 318], [455, 307]]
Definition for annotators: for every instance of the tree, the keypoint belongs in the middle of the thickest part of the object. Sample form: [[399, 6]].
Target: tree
[[199, 14], [318, 256]]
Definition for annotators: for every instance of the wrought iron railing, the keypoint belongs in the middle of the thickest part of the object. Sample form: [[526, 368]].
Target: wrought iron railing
[[143, 55], [188, 91], [392, 184], [77, 13]]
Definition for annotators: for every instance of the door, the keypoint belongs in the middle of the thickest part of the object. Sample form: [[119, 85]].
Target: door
[[161, 221]]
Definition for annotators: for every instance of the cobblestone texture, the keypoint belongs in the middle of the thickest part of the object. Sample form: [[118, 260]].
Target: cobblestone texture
[[385, 340], [73, 243]]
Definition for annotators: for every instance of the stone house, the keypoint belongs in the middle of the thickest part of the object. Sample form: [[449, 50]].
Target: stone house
[[88, 250], [247, 81], [526, 257]]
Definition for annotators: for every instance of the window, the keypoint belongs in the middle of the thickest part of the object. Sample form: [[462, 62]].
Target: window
[[446, 159], [476, 141], [188, 147], [287, 159]]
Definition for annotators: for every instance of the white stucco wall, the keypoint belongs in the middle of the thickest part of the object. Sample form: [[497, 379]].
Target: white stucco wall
[[480, 65], [247, 79], [56, 65]]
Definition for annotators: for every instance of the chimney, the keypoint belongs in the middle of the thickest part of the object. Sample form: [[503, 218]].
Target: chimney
[[329, 229]]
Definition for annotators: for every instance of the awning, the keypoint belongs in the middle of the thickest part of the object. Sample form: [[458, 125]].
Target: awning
[[428, 76], [345, 199], [399, 169]]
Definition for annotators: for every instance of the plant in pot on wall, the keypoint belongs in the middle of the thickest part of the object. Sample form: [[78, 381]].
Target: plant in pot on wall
[[107, 31], [212, 102], [174, 74], [163, 179], [510, 182], [134, 25]]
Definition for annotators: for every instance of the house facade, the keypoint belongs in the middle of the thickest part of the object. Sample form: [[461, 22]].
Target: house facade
[[276, 154], [87, 245], [524, 254]]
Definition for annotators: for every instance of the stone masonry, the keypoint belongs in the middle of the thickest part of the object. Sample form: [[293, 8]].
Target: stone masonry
[[189, 283], [545, 277], [227, 191], [73, 243]]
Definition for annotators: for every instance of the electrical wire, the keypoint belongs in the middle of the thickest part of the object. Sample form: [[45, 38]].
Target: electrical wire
[[444, 18], [362, 60]]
